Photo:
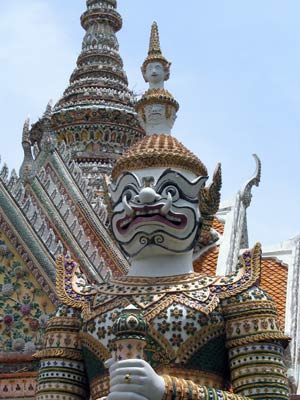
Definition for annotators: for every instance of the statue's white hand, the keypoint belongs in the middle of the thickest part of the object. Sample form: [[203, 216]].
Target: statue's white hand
[[135, 380]]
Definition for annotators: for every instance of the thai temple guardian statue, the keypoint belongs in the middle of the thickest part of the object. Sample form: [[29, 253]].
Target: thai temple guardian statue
[[163, 331], [157, 108]]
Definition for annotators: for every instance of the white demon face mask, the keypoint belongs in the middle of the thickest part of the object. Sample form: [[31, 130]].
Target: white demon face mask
[[156, 211]]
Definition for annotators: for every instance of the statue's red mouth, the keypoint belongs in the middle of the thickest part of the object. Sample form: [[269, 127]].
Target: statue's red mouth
[[151, 214]]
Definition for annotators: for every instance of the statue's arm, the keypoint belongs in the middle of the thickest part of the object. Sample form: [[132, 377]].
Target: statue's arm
[[135, 379], [62, 371], [255, 344], [185, 389]]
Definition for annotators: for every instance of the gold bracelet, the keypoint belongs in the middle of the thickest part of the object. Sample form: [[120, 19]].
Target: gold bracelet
[[181, 389], [168, 388]]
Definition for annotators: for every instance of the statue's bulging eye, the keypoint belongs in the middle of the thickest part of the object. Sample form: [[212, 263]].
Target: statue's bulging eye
[[128, 194], [173, 192]]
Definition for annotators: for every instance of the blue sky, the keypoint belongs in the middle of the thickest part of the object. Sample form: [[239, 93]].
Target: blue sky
[[235, 72]]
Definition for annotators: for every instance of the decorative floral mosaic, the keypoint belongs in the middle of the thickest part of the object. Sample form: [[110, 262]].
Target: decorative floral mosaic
[[24, 308]]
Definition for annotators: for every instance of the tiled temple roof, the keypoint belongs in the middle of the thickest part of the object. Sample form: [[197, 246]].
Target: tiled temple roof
[[218, 226], [274, 277], [274, 281], [207, 262]]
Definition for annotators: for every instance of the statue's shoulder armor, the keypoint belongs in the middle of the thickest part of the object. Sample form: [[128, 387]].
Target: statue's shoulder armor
[[249, 312], [246, 276], [72, 286]]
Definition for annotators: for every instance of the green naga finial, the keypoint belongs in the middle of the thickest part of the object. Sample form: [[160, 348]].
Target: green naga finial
[[131, 330]]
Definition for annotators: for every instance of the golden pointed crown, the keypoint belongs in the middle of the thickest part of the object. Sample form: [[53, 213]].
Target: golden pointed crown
[[158, 151], [154, 52]]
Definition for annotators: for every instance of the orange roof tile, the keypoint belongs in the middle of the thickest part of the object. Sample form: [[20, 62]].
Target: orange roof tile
[[274, 282], [207, 262], [273, 277], [218, 226]]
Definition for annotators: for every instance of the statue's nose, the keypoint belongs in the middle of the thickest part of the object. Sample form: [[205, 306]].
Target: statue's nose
[[147, 196]]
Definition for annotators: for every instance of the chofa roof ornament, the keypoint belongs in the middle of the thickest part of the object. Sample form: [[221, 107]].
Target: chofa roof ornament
[[246, 194]]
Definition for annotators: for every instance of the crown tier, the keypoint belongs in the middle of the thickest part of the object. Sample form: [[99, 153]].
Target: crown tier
[[158, 151]]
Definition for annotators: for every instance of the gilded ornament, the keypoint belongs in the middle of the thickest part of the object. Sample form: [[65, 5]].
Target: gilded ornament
[[65, 270], [127, 378], [258, 337], [94, 346], [60, 353], [157, 96]]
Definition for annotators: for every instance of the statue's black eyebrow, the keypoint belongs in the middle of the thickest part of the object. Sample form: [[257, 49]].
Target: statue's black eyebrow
[[178, 180], [132, 181]]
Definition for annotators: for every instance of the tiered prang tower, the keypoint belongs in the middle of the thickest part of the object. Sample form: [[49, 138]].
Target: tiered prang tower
[[96, 117]]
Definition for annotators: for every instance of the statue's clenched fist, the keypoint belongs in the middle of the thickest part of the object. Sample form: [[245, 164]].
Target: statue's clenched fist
[[135, 380]]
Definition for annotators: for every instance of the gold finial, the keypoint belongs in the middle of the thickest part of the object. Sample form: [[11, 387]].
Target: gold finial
[[154, 45], [155, 54]]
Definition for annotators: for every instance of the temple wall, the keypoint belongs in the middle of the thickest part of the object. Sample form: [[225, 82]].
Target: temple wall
[[24, 313]]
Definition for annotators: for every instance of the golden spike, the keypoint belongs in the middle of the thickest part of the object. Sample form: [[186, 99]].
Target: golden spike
[[154, 53], [154, 45]]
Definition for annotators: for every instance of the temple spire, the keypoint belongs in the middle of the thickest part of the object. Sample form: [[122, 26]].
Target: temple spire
[[96, 116], [157, 108], [27, 164], [25, 133], [155, 53], [154, 44], [48, 111]]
